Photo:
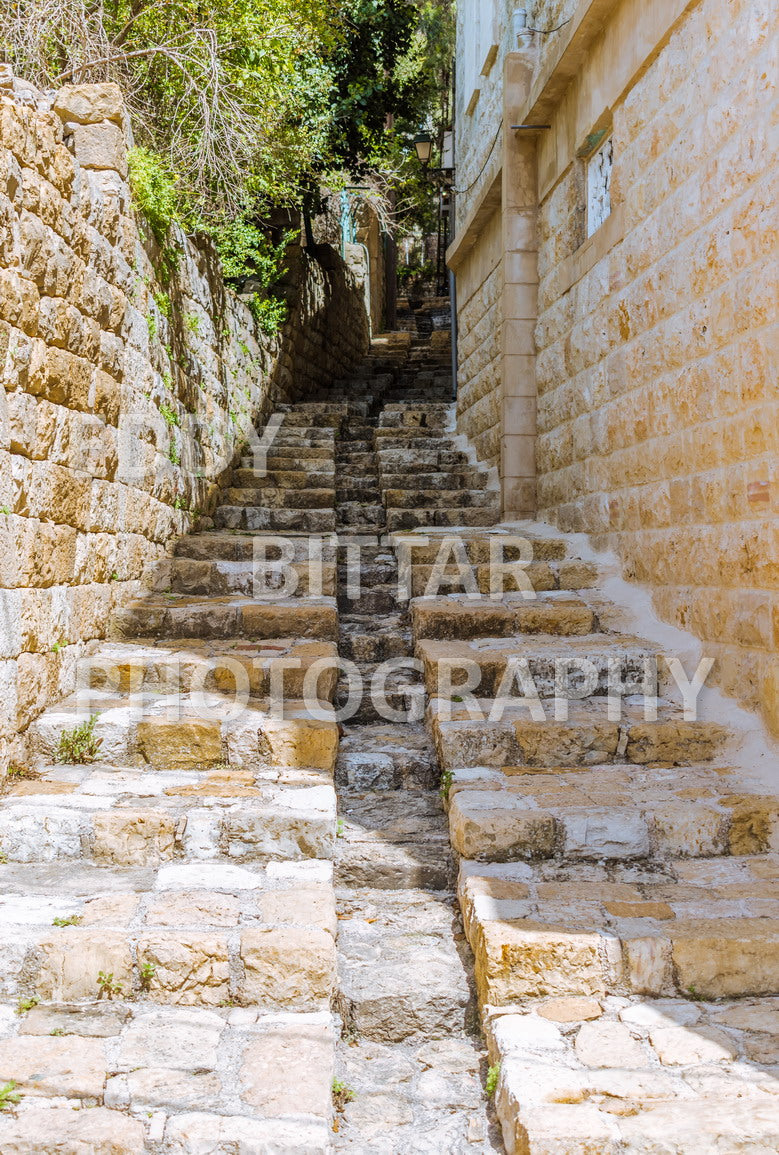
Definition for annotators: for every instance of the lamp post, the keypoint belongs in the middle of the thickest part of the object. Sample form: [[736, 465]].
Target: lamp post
[[423, 143]]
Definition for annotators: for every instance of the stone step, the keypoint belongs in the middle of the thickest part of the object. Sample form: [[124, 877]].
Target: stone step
[[466, 735], [181, 616], [360, 641], [229, 546], [222, 578], [364, 493], [256, 478], [400, 973], [274, 497], [458, 499], [389, 842], [154, 1077], [283, 457], [376, 599], [228, 666], [571, 667], [124, 817], [607, 812], [706, 928], [260, 518], [404, 519], [480, 548], [386, 757], [462, 618], [392, 459], [358, 513], [532, 577], [191, 732], [458, 477], [636, 1075], [201, 934]]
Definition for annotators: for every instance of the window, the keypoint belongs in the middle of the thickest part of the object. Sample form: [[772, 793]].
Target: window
[[477, 49], [599, 168]]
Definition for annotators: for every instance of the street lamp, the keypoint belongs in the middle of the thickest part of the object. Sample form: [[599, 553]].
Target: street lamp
[[423, 143]]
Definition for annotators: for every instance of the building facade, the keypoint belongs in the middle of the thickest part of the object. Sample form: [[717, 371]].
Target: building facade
[[616, 264]]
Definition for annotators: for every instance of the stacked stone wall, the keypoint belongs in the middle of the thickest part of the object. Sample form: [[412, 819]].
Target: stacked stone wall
[[479, 288], [126, 394], [658, 412]]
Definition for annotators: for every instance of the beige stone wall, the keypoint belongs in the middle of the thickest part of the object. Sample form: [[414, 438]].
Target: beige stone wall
[[123, 400], [657, 404], [479, 288]]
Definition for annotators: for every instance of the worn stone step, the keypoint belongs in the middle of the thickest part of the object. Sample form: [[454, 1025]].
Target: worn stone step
[[390, 842], [359, 513], [228, 546], [708, 928], [483, 733], [182, 616], [172, 1078], [191, 732], [116, 816], [537, 577], [259, 518], [482, 547], [256, 478], [377, 599], [575, 667], [360, 641], [404, 519], [392, 459], [261, 577], [295, 458], [228, 666], [275, 497], [608, 1075], [400, 974], [458, 477], [463, 618], [607, 812], [386, 757], [452, 498], [201, 934]]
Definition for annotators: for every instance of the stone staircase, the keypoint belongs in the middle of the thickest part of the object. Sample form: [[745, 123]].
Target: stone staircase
[[270, 871]]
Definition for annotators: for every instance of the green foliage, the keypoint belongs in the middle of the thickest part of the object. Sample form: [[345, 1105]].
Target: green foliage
[[447, 778], [169, 414], [5, 509], [106, 987], [79, 746], [151, 325], [25, 1005], [154, 190], [192, 323], [147, 972], [71, 920], [163, 302], [342, 1094], [269, 312], [16, 771], [174, 453], [9, 1096], [491, 1085]]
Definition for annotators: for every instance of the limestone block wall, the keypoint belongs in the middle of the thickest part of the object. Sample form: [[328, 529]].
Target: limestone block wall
[[125, 394], [479, 396], [657, 405]]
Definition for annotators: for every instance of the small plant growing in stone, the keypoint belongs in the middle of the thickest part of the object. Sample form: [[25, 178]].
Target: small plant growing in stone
[[106, 987], [192, 323], [55, 649], [446, 784], [169, 414], [71, 920], [6, 509], [341, 1095], [58, 1031], [79, 746], [147, 972], [19, 772], [339, 828], [3, 858], [174, 453], [9, 1096], [151, 325], [25, 1005], [491, 1084]]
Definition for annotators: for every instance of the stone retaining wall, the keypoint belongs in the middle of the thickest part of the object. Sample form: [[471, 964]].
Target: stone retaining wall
[[125, 396]]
